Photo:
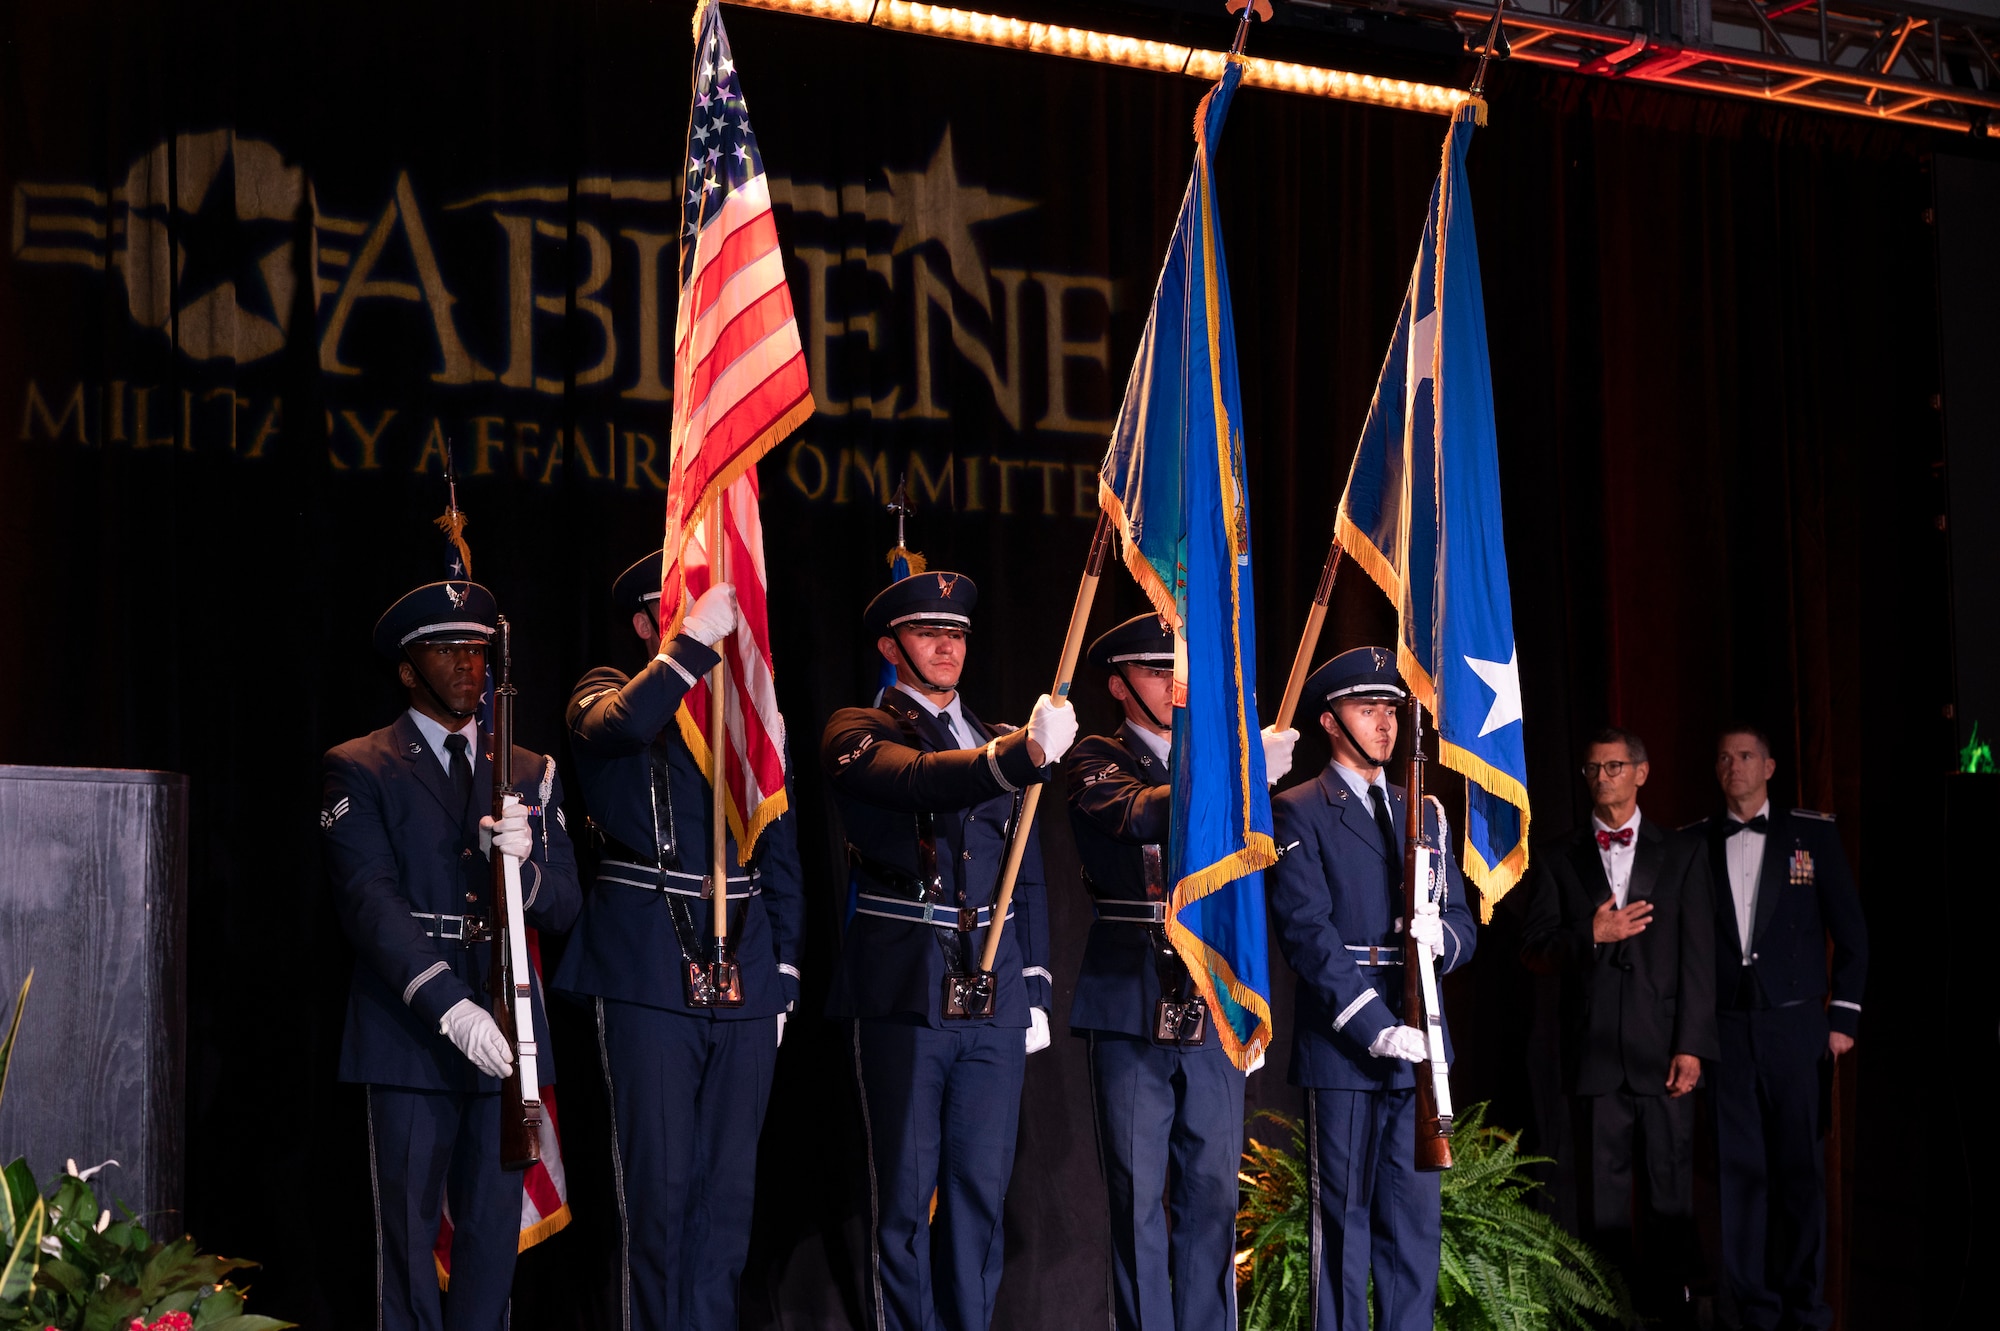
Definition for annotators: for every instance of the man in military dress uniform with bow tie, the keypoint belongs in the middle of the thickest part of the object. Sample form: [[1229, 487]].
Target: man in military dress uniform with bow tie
[[408, 830], [1169, 1102], [1337, 897], [928, 795], [689, 1083], [1783, 892]]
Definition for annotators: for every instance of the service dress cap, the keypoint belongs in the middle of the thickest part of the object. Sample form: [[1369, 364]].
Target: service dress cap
[[437, 612], [638, 587], [1364, 672], [1143, 640], [929, 598]]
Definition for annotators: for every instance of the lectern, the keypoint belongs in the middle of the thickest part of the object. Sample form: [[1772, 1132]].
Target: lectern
[[93, 894]]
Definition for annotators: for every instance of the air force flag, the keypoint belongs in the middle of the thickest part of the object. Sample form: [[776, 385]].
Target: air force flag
[[1422, 514], [1173, 482]]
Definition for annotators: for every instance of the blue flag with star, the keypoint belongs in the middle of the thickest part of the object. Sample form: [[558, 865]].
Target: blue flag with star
[[1421, 514], [1173, 482]]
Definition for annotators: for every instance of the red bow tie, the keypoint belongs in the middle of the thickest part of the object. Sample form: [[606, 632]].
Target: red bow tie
[[1623, 836]]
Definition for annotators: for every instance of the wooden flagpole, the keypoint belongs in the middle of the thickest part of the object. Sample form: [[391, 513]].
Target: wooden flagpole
[[1295, 683], [718, 741], [1079, 619]]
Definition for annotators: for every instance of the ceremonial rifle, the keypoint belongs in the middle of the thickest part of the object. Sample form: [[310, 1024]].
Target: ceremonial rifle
[[1420, 1001], [511, 983]]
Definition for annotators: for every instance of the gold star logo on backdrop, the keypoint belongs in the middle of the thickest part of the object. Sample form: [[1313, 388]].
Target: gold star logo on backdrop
[[934, 204]]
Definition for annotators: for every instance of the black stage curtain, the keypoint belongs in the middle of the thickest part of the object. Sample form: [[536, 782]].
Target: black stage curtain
[[267, 261]]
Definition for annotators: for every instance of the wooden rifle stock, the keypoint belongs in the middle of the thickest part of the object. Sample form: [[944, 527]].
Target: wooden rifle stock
[[509, 982], [1433, 1134]]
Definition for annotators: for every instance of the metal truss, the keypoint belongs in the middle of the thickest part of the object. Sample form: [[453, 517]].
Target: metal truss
[[1909, 64]]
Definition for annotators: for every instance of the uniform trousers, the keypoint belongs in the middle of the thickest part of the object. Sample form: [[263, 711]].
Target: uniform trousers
[[687, 1096], [1169, 1123], [1771, 1175], [421, 1143], [941, 1109], [1649, 1232], [1372, 1212]]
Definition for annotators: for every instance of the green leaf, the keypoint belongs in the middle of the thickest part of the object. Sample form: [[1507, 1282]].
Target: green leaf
[[224, 1301], [249, 1322], [18, 1270], [22, 1194], [66, 1277], [13, 1029]]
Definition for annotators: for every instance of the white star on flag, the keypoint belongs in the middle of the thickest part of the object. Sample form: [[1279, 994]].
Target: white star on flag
[[1504, 678]]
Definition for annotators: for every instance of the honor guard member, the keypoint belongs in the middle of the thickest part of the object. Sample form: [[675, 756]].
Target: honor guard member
[[929, 795], [688, 1080], [1337, 896], [408, 831], [1169, 1102], [1788, 1006]]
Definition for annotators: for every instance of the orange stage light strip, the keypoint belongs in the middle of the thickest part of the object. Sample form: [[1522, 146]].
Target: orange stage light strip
[[1131, 52]]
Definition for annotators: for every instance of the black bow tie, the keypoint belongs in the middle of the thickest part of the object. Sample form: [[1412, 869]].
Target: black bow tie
[[1730, 827]]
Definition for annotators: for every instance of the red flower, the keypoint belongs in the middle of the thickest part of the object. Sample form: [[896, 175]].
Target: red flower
[[175, 1321]]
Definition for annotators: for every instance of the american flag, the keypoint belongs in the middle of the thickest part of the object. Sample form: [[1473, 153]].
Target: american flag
[[740, 386]]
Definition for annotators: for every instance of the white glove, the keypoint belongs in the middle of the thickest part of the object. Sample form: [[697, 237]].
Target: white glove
[[1427, 928], [713, 615], [1053, 726], [781, 1030], [1038, 1030], [1255, 1063], [472, 1029], [511, 833], [1404, 1042], [1277, 752]]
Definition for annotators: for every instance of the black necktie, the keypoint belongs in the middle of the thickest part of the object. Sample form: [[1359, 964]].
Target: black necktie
[[1730, 827], [1390, 847], [461, 768]]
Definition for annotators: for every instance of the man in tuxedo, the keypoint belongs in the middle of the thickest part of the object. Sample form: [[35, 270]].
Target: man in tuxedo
[[1785, 892], [1622, 910]]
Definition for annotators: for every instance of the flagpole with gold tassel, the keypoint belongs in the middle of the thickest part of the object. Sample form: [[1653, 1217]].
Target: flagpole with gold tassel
[[725, 981], [1079, 620]]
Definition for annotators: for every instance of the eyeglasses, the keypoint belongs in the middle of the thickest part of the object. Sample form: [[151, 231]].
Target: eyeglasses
[[1611, 769]]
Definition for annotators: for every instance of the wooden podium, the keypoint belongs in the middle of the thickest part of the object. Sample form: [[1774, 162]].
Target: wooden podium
[[93, 899]]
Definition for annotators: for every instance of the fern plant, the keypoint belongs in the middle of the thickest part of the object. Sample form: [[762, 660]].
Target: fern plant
[[1502, 1264]]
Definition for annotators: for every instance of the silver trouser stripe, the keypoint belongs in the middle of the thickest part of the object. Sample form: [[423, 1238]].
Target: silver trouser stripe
[[1130, 912], [993, 762], [1373, 954], [647, 879], [1851, 1007], [1347, 1013], [617, 1181], [436, 969], [1312, 1173], [922, 912], [881, 1322], [375, 1194]]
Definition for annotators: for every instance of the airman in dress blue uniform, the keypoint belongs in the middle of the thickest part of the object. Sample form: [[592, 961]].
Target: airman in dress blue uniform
[[1788, 1005], [689, 1083], [928, 793], [407, 830], [1337, 896], [1169, 1103]]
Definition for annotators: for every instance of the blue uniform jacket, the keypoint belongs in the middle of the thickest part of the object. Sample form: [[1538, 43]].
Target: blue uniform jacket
[[1804, 896], [395, 844], [1332, 890], [625, 947], [1119, 798], [895, 968]]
